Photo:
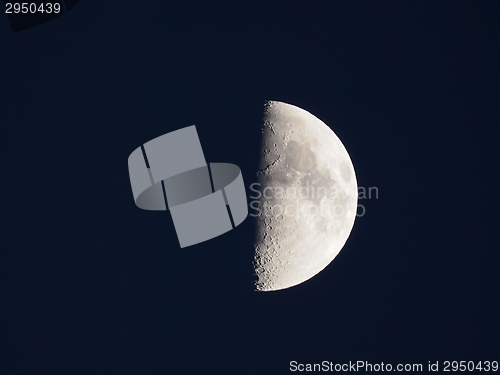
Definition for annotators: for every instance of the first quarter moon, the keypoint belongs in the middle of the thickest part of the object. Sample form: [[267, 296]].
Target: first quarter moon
[[307, 195]]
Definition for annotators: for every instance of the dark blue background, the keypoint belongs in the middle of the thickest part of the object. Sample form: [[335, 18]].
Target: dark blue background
[[92, 284]]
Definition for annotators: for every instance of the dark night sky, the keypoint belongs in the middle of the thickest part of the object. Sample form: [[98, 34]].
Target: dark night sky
[[92, 284]]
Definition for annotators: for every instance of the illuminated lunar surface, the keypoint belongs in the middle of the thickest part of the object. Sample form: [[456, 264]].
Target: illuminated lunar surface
[[307, 198]]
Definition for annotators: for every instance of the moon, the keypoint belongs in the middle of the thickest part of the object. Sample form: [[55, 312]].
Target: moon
[[305, 198]]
